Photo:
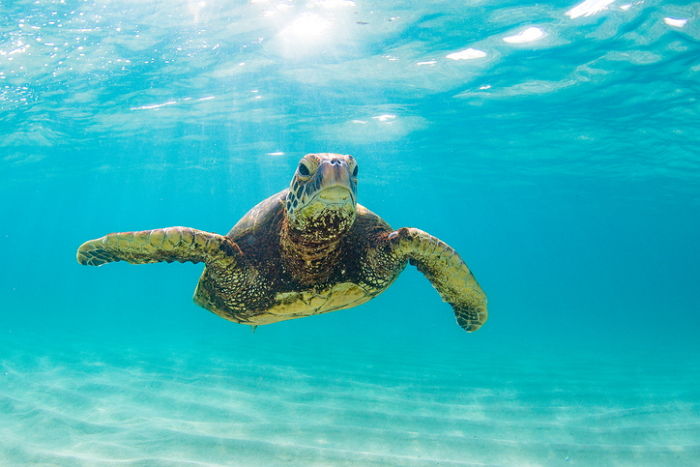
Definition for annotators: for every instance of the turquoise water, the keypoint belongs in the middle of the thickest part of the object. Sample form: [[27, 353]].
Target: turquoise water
[[554, 145]]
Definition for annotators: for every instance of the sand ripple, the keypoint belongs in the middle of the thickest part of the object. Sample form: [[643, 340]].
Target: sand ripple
[[343, 409]]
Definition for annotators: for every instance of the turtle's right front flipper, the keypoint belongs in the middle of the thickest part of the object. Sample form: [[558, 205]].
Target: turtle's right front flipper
[[152, 246]]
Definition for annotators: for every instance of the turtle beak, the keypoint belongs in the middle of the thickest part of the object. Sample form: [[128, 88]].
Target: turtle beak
[[337, 186]]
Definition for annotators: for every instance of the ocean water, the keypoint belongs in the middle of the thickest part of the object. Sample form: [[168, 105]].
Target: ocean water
[[554, 145]]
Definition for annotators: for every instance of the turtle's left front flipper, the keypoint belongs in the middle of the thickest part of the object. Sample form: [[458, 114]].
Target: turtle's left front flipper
[[152, 246], [446, 271]]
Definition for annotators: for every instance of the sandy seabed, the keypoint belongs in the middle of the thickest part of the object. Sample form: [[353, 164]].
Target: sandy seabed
[[293, 406]]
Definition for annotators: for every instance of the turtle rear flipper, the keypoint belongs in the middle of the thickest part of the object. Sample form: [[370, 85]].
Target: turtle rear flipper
[[446, 271], [181, 244]]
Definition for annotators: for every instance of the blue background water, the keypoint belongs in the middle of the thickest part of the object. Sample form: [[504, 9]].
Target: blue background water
[[558, 156]]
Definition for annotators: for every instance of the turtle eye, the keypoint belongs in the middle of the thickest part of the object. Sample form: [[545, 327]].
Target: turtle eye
[[355, 170], [304, 170]]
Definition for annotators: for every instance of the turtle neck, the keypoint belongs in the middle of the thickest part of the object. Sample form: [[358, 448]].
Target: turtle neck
[[310, 255]]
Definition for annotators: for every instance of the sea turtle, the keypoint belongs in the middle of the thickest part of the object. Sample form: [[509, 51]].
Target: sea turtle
[[306, 250]]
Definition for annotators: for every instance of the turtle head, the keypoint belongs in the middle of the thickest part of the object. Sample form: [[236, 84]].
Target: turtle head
[[322, 195]]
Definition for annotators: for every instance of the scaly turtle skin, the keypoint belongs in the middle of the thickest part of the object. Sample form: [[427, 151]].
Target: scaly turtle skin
[[307, 250]]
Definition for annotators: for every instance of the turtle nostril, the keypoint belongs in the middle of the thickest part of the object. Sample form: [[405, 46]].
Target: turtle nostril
[[335, 161]]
